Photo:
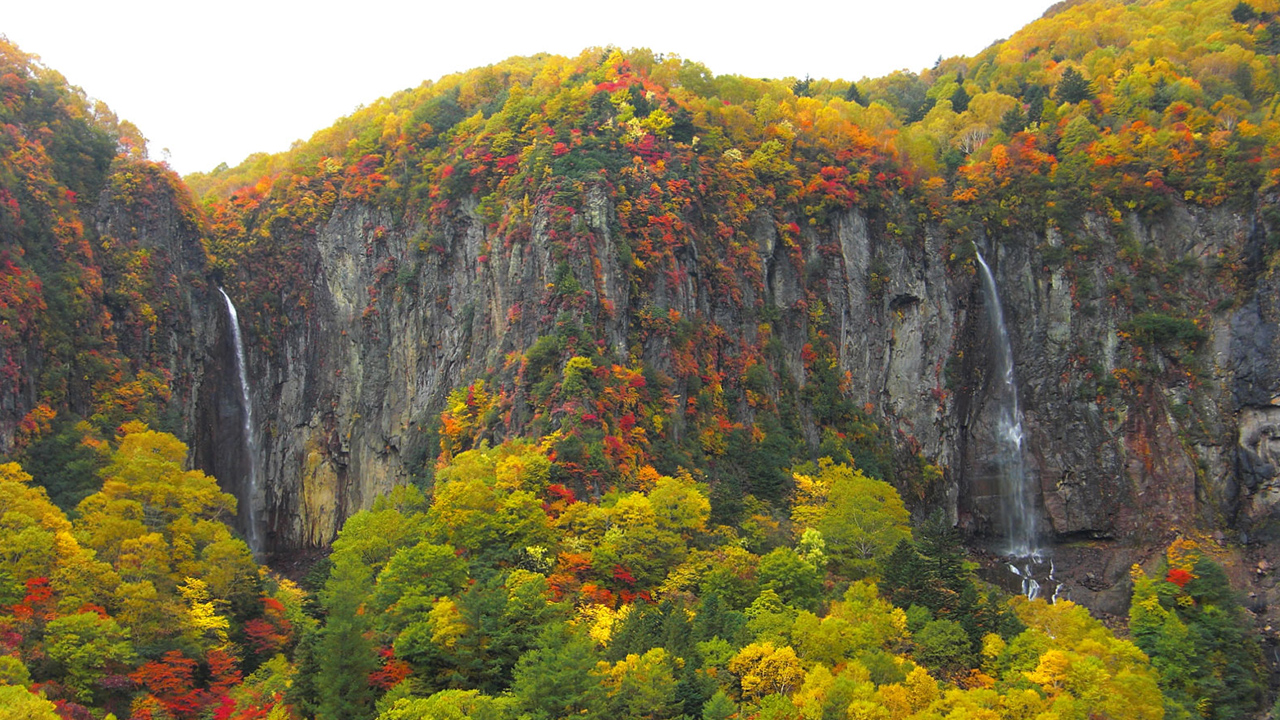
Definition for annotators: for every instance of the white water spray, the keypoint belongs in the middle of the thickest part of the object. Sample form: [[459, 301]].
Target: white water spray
[[251, 494], [1017, 505], [1017, 491]]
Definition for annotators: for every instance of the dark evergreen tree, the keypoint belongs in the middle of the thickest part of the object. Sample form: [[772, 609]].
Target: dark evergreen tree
[[1073, 87], [967, 611], [716, 620], [916, 113], [1034, 97], [683, 129], [906, 579], [346, 655], [504, 626], [1162, 95], [639, 632], [304, 691], [1201, 640], [997, 615], [555, 680], [1243, 12], [852, 94], [694, 688], [960, 99], [1230, 677], [1013, 121], [65, 465], [676, 630], [1272, 38], [941, 544]]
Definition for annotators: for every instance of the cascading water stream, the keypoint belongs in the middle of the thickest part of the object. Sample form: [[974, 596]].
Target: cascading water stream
[[251, 495], [1017, 508], [1017, 495]]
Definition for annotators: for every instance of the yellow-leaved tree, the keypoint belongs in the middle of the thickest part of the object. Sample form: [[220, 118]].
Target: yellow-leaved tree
[[161, 526], [36, 542], [765, 669]]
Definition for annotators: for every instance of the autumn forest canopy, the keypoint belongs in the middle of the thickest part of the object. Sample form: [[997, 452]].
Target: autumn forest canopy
[[645, 509]]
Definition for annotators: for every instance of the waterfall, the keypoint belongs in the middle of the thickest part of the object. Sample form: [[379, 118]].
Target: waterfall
[[251, 491], [1017, 497]]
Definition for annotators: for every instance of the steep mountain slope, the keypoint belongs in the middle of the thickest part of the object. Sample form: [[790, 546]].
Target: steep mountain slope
[[553, 341], [654, 265], [672, 267], [103, 281]]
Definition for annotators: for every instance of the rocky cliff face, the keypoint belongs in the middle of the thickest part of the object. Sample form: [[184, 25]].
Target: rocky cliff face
[[125, 325], [145, 214], [1133, 428], [1132, 432], [393, 331]]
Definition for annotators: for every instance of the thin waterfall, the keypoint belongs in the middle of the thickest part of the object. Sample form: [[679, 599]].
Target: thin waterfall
[[1017, 498], [251, 493]]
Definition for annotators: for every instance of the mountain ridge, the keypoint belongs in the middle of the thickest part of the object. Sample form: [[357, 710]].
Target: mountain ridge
[[560, 351], [792, 258]]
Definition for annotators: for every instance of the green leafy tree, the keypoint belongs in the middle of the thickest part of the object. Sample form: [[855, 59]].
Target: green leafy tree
[[944, 645], [719, 707], [796, 582], [641, 686], [19, 703], [1192, 626], [451, 705], [476, 640], [412, 580], [372, 537], [489, 515], [86, 646], [861, 519]]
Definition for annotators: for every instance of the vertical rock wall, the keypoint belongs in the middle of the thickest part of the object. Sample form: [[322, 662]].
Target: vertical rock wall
[[1124, 457]]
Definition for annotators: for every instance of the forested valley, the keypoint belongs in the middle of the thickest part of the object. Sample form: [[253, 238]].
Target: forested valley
[[609, 387]]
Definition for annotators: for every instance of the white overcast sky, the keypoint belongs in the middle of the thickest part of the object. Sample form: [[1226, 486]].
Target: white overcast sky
[[215, 81]]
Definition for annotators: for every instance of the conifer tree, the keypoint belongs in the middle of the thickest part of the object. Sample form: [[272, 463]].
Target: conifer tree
[[906, 579], [1243, 13], [1014, 120], [852, 94], [719, 707], [1073, 87], [346, 654], [716, 620], [555, 680]]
